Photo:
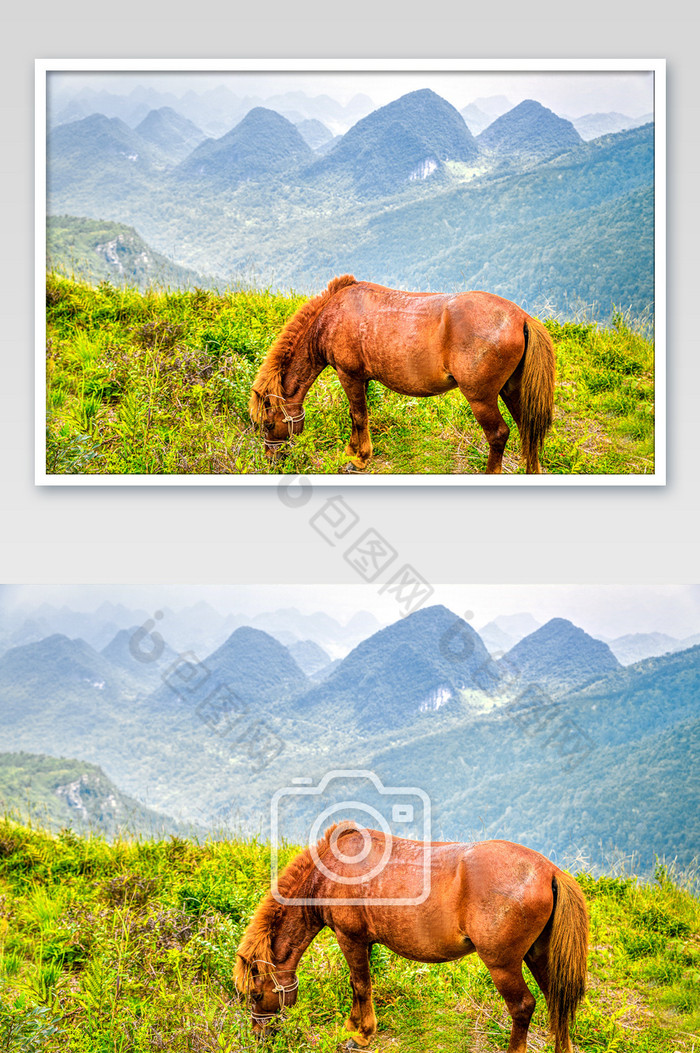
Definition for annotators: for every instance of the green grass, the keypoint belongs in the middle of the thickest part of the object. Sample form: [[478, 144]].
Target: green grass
[[158, 383], [130, 946]]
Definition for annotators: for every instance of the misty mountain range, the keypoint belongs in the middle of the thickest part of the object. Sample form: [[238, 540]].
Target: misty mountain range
[[216, 111], [554, 742], [199, 628], [406, 196], [315, 640]]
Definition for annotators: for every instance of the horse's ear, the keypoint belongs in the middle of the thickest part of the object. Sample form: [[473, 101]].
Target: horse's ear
[[256, 406], [242, 974]]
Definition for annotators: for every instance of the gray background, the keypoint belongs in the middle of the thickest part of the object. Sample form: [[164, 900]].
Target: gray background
[[174, 534]]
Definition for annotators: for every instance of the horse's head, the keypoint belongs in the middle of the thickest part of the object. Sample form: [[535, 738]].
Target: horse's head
[[267, 988], [278, 419]]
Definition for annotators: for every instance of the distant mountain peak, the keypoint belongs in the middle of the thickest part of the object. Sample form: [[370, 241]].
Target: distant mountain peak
[[315, 132], [494, 105], [530, 108], [59, 643], [57, 671], [415, 665], [255, 665], [167, 129], [249, 636], [251, 642], [635, 647], [504, 631], [104, 134], [593, 125], [364, 621], [262, 116], [529, 129], [309, 656], [100, 120], [264, 143], [408, 139], [558, 656]]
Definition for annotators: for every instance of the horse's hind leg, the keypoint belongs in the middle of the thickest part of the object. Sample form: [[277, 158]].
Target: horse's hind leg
[[537, 960], [511, 396], [359, 449], [362, 1020], [495, 429], [519, 1000]]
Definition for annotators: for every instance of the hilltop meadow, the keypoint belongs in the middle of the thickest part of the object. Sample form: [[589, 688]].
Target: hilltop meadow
[[130, 946], [158, 382]]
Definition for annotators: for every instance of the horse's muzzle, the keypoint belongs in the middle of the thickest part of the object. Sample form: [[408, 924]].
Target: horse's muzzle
[[276, 451]]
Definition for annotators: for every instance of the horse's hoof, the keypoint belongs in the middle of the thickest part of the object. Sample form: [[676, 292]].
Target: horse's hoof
[[351, 469]]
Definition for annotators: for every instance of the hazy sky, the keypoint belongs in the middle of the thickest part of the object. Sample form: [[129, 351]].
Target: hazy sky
[[570, 94], [606, 610]]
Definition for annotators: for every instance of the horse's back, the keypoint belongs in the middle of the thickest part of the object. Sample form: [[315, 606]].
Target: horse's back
[[415, 342], [364, 299], [366, 296]]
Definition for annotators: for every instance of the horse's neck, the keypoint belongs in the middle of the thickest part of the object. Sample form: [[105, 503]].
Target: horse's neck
[[301, 371], [297, 928]]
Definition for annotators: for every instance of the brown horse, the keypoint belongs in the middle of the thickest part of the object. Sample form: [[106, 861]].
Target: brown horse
[[506, 902], [418, 344]]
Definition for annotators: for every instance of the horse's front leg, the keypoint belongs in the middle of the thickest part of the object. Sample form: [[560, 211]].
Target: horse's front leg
[[359, 449], [362, 1020]]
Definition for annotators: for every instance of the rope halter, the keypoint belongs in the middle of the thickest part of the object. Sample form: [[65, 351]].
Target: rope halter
[[281, 989], [290, 419]]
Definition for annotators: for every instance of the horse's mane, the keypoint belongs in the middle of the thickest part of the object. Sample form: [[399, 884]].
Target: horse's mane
[[256, 943], [268, 379]]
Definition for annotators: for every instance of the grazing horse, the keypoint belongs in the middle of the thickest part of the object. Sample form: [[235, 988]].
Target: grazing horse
[[418, 344], [509, 904]]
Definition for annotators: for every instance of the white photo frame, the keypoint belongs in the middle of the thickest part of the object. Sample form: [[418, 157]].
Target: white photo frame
[[657, 67]]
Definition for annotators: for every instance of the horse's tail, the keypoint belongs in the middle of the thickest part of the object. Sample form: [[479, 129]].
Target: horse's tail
[[568, 955], [536, 391]]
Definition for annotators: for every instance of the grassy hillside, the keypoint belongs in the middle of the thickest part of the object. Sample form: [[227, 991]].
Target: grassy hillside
[[130, 947], [159, 383]]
